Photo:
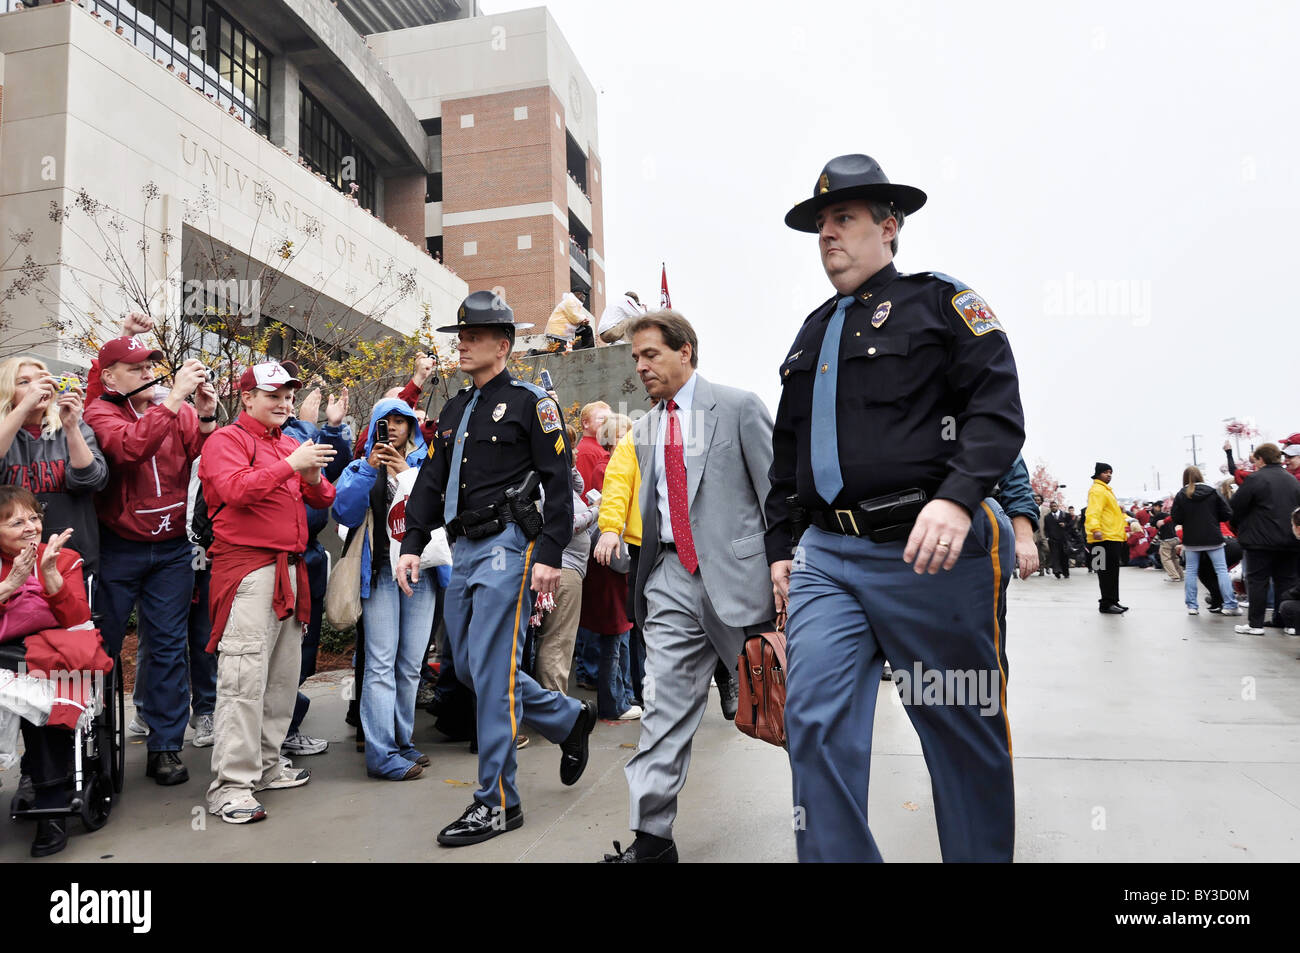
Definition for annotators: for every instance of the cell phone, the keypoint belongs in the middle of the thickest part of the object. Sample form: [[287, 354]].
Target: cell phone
[[381, 430], [547, 383]]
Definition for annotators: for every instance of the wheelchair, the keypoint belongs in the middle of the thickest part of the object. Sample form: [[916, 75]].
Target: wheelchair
[[98, 752]]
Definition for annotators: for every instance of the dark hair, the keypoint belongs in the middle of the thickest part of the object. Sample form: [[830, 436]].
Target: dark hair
[[12, 497], [677, 331], [1269, 453]]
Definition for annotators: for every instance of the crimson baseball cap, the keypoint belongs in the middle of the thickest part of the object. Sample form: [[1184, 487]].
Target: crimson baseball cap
[[270, 376], [1291, 445], [127, 349]]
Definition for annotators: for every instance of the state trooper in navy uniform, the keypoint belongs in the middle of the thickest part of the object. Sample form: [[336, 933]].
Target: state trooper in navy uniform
[[491, 437], [900, 409]]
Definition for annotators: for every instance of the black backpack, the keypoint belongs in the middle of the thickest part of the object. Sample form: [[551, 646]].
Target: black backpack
[[201, 524]]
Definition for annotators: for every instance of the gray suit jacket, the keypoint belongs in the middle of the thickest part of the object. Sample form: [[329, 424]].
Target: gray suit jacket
[[728, 456]]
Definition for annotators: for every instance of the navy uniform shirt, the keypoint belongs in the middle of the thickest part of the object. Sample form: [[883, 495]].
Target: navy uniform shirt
[[927, 397], [515, 427]]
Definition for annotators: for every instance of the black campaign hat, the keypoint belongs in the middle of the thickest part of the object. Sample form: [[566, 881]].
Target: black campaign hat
[[483, 309], [852, 177]]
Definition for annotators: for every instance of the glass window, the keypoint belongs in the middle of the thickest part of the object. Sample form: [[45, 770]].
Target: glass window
[[330, 150]]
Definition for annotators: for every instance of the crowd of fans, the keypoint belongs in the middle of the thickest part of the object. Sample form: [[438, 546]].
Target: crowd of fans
[[120, 497], [124, 497], [1239, 540]]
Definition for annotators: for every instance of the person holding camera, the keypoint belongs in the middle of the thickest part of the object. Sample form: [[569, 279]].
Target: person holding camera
[[146, 557], [256, 479], [496, 441], [397, 629]]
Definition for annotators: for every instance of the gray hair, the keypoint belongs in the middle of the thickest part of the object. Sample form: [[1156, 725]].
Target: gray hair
[[883, 210]]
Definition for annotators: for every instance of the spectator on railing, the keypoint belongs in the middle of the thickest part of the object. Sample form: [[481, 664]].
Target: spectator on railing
[[618, 315]]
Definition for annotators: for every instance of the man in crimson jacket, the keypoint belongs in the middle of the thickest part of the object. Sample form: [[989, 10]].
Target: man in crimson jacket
[[145, 556], [255, 480]]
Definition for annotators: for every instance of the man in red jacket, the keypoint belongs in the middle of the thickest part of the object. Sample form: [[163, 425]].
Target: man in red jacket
[[255, 481], [145, 555]]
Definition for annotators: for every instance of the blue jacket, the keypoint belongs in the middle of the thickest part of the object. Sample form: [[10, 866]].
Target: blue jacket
[[1015, 494], [352, 489], [340, 438]]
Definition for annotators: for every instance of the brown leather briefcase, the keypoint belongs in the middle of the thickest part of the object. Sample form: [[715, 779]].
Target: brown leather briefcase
[[761, 670]]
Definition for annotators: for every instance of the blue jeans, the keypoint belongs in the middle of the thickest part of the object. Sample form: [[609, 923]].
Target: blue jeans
[[203, 664], [613, 693], [1220, 571], [161, 577], [317, 576], [397, 634], [586, 657]]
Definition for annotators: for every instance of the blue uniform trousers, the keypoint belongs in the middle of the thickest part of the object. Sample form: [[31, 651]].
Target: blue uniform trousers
[[854, 604], [487, 608]]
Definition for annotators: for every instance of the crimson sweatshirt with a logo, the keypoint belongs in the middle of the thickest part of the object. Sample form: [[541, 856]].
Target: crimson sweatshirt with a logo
[[149, 458]]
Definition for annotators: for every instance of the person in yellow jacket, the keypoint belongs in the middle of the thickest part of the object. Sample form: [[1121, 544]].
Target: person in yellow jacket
[[1104, 526]]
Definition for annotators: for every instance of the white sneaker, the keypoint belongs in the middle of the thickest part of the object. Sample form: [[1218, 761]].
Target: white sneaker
[[203, 731], [1193, 611], [1289, 630], [299, 744], [632, 714], [289, 777], [1247, 630], [137, 725], [243, 811], [1230, 612]]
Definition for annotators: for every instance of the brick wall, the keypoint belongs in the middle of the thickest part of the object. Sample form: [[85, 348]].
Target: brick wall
[[502, 161], [404, 206]]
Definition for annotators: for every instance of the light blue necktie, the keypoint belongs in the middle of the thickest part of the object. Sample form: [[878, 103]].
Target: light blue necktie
[[457, 454], [825, 434]]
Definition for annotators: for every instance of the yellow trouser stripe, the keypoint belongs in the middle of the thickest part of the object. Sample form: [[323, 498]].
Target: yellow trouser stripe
[[997, 627], [514, 654]]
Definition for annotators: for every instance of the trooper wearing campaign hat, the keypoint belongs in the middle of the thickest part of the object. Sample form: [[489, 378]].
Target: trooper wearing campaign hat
[[900, 410], [497, 440]]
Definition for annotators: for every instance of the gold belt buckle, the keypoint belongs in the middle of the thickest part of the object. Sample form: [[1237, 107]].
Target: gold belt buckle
[[852, 526]]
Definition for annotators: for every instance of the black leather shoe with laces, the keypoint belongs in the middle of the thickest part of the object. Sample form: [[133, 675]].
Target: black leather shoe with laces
[[165, 767], [641, 853], [480, 823]]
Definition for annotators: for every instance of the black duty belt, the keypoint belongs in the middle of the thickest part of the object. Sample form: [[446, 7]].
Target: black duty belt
[[884, 519], [481, 523]]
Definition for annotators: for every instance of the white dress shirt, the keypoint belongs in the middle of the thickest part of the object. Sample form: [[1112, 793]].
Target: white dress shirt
[[684, 398]]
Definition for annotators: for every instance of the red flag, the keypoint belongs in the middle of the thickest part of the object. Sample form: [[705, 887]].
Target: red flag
[[665, 302]]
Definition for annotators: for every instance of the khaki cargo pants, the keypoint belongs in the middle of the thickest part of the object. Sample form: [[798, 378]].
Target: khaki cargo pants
[[257, 684]]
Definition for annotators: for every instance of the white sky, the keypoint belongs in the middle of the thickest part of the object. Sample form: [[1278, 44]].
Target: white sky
[[1066, 148]]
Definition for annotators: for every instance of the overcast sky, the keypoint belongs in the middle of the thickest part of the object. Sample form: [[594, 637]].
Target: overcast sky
[[1118, 181]]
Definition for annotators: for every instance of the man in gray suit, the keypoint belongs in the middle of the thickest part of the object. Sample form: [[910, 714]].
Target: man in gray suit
[[702, 583]]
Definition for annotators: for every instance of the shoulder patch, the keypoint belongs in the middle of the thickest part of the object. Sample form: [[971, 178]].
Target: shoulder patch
[[974, 310], [548, 415]]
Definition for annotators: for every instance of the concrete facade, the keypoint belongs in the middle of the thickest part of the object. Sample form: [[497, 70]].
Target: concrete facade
[[87, 110]]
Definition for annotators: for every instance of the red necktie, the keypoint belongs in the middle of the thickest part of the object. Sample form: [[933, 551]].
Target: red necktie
[[679, 512]]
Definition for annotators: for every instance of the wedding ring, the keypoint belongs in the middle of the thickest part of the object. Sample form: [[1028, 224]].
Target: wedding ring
[[944, 543]]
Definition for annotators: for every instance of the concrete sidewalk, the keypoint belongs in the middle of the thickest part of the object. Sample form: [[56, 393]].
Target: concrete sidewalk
[[1148, 736]]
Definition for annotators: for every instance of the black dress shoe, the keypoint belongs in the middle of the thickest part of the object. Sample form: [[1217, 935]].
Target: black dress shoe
[[1112, 610], [574, 749], [728, 689], [51, 836], [480, 823], [165, 767], [640, 853]]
